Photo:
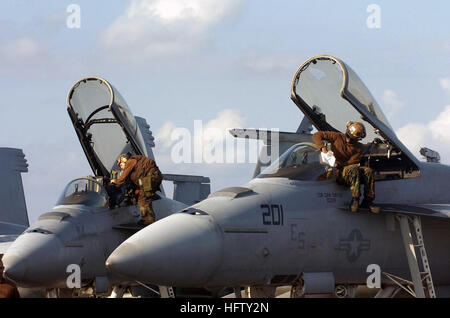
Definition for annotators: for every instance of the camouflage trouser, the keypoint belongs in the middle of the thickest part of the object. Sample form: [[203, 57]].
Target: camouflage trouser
[[146, 208], [353, 175], [146, 193]]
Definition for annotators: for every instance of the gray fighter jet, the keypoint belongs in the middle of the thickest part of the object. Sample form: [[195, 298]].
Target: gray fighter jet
[[89, 220], [290, 225], [13, 211]]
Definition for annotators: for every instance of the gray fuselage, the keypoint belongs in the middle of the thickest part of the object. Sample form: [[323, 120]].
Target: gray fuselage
[[272, 230]]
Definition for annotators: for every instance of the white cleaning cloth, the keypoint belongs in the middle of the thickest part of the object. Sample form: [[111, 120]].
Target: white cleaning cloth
[[328, 158]]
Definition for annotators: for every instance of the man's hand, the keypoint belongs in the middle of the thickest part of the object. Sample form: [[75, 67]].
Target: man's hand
[[113, 181], [324, 149]]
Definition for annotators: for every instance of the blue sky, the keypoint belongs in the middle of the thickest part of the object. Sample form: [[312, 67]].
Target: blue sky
[[177, 66]]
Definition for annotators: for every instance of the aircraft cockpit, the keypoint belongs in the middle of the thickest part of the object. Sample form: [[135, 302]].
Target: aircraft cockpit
[[330, 94], [300, 162], [84, 191], [106, 128]]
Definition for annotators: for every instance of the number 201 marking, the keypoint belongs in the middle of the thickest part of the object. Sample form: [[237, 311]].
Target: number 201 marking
[[272, 214]]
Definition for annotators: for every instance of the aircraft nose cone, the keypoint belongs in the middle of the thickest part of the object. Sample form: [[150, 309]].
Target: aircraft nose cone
[[14, 269], [31, 260], [180, 250], [125, 260]]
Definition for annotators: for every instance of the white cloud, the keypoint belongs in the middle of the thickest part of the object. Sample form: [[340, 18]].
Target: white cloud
[[392, 103], [440, 128], [173, 10], [226, 119], [221, 175], [207, 142], [21, 49], [215, 129], [163, 135], [152, 28], [414, 136], [27, 58], [434, 135], [445, 84]]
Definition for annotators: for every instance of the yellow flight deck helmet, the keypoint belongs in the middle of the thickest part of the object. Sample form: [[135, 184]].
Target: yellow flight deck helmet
[[355, 130]]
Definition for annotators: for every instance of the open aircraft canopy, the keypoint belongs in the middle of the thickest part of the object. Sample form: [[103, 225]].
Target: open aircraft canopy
[[330, 94], [104, 124]]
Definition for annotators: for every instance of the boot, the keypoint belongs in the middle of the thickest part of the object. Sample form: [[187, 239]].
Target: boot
[[368, 204], [354, 205], [143, 222], [147, 220], [147, 215]]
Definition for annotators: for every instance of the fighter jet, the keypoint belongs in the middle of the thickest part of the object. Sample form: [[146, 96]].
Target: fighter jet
[[88, 222], [13, 211], [290, 225]]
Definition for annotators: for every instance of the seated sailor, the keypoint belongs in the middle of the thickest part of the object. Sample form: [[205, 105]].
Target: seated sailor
[[348, 152]]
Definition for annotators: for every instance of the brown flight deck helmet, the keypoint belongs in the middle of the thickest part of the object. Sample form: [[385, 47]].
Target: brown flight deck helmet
[[355, 130]]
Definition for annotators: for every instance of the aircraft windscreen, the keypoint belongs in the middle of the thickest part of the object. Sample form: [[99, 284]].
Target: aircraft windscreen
[[84, 191], [300, 162], [320, 84]]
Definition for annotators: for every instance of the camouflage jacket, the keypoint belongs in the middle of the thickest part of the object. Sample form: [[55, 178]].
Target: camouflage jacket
[[136, 168]]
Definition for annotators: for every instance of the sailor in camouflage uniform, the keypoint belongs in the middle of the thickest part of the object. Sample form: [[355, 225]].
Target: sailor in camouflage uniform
[[146, 176], [348, 151]]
